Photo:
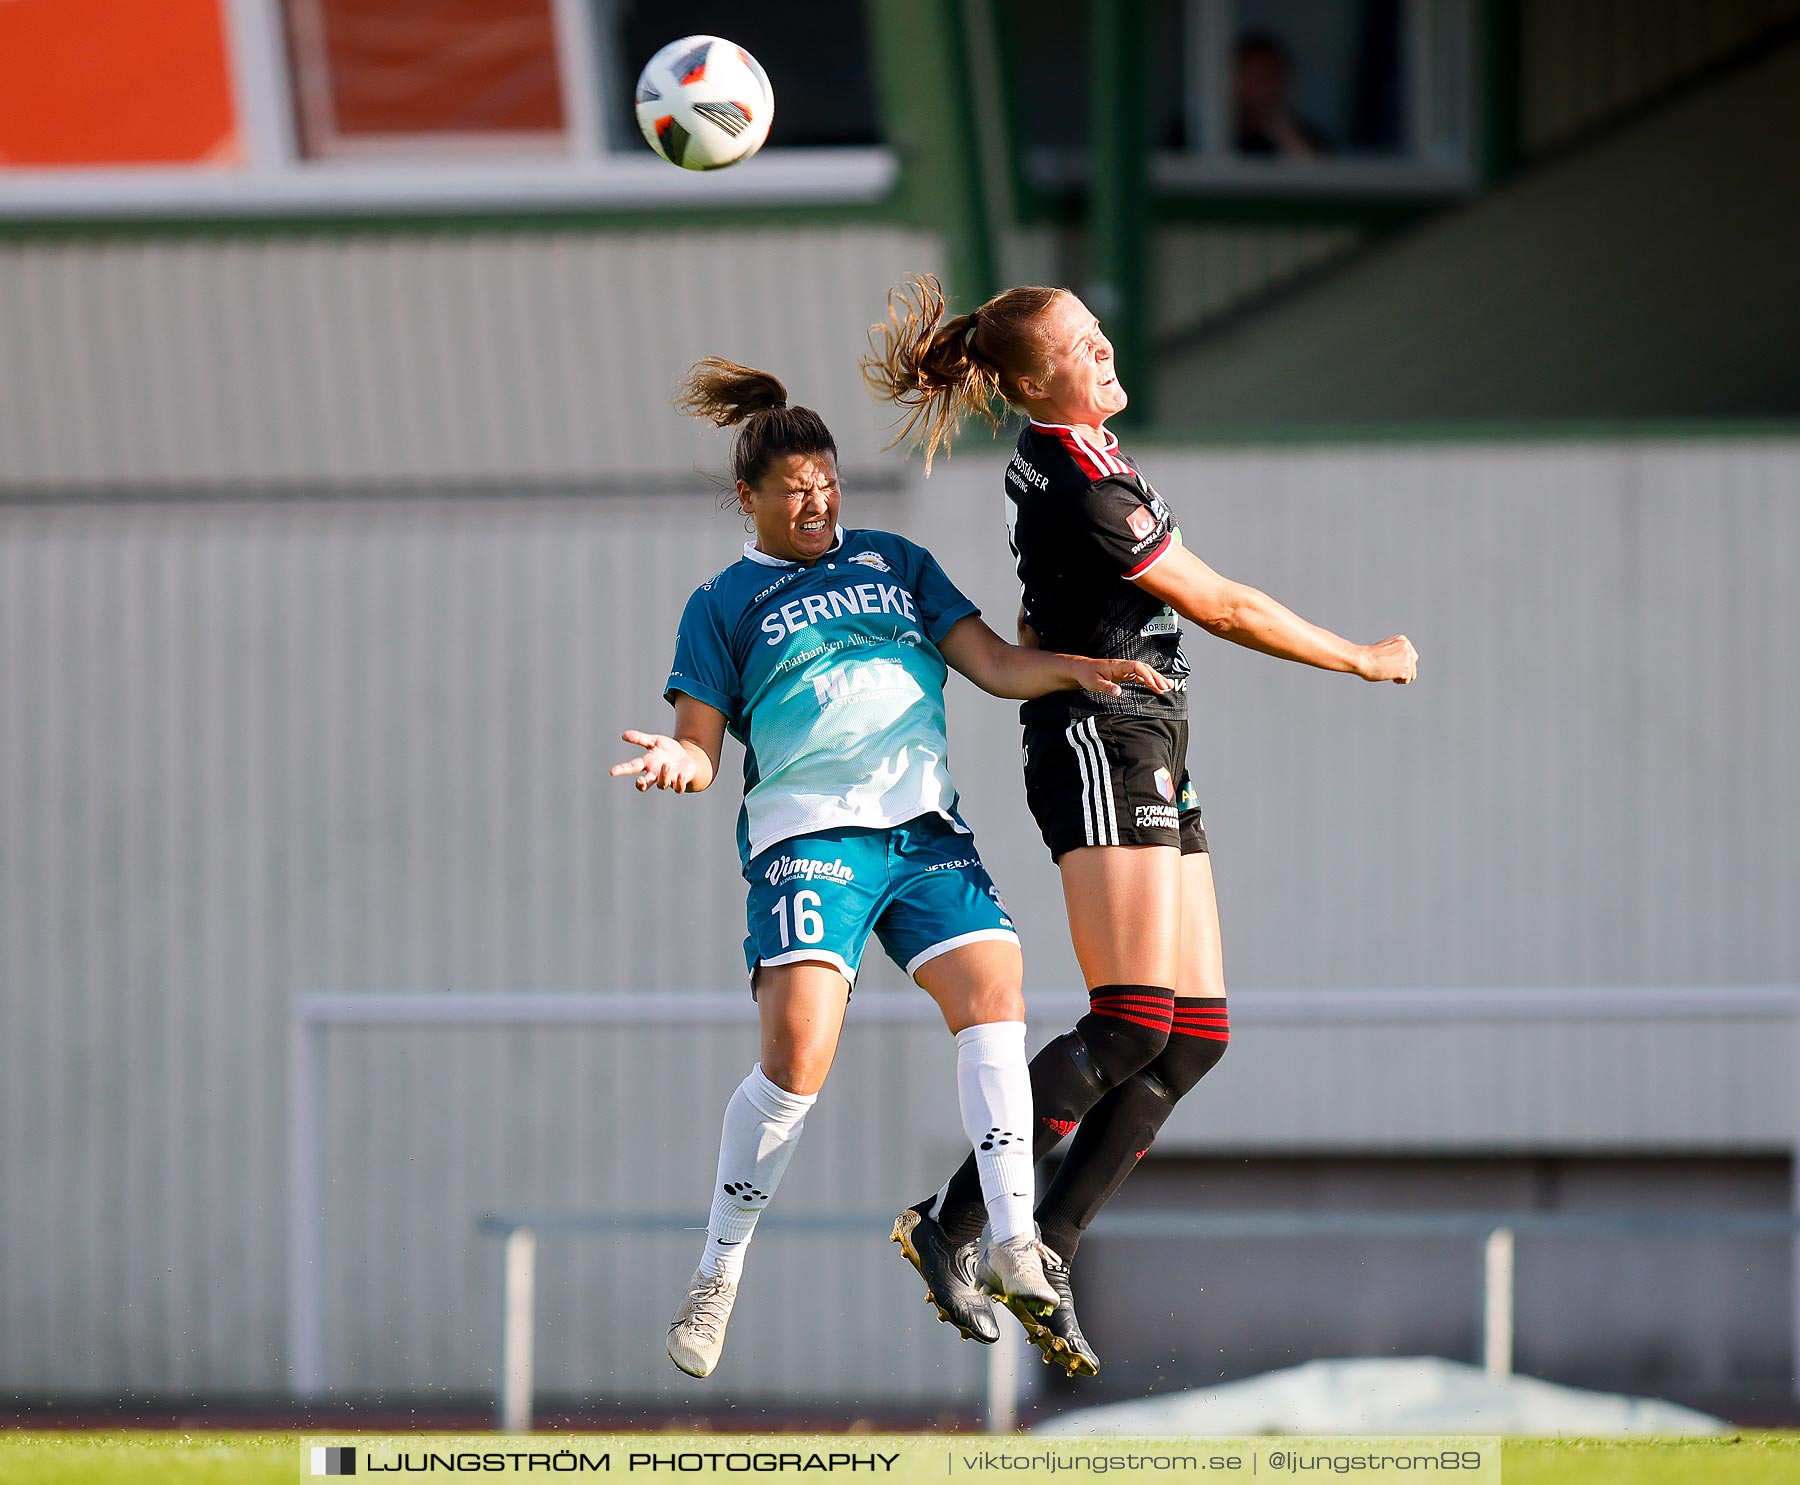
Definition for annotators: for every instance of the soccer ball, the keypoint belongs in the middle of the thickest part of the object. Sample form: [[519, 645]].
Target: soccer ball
[[703, 103]]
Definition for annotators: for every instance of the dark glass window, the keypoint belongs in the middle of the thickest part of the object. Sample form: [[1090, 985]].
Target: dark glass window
[[1046, 61], [1360, 94], [1313, 78], [816, 53]]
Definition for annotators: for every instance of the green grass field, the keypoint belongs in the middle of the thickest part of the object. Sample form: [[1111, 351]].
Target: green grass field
[[95, 1458]]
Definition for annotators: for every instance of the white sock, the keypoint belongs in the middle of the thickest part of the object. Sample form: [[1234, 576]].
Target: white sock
[[993, 1085], [763, 1124]]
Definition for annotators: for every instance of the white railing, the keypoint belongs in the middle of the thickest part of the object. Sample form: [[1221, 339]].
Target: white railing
[[1495, 1231], [314, 1016]]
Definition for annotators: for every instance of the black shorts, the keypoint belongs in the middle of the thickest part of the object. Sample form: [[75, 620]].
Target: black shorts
[[1112, 781]]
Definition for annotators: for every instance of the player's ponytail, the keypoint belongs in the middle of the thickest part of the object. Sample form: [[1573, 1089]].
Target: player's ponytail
[[727, 394], [939, 371]]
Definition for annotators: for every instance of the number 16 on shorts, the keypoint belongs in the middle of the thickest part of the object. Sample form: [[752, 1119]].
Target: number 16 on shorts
[[920, 886], [807, 903], [808, 922]]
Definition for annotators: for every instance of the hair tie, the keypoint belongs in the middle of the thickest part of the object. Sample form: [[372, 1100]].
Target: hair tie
[[778, 406], [974, 320]]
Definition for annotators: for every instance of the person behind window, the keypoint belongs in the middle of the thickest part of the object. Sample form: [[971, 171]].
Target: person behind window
[[1262, 82]]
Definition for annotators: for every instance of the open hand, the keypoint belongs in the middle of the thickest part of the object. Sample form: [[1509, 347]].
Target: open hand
[[664, 763]]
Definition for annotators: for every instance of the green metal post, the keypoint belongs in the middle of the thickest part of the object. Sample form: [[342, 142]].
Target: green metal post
[[1119, 192], [929, 116], [1500, 67]]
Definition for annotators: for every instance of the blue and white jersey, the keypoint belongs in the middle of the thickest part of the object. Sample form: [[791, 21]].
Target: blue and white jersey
[[829, 674]]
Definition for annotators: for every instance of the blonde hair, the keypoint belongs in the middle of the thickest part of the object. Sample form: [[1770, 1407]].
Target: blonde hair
[[939, 371], [727, 394]]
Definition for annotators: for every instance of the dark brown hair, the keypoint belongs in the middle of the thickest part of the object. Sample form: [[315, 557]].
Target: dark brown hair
[[726, 394], [939, 371]]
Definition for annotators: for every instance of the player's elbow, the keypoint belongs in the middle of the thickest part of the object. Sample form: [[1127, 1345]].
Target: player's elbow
[[1221, 612]]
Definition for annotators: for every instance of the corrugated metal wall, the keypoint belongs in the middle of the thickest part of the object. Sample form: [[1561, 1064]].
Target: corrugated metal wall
[[504, 358], [250, 749], [279, 728], [1199, 274], [1669, 1316]]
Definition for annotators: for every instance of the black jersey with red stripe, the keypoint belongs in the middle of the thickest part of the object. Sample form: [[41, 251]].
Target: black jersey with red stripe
[[1084, 524]]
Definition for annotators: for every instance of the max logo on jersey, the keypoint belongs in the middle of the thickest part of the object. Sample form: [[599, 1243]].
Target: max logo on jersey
[[864, 682]]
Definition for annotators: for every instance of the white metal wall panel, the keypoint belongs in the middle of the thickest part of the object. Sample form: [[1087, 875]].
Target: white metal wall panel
[[1663, 1084], [1591, 783], [501, 358], [249, 749], [621, 1121]]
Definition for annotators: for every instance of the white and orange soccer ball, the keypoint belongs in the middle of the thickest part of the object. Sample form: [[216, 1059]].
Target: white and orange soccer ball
[[703, 103]]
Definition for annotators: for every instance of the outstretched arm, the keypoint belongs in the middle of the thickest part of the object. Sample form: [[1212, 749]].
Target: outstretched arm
[[1251, 618], [688, 761], [1001, 669]]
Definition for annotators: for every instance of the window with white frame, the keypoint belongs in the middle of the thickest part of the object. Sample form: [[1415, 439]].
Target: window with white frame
[[1331, 94], [1264, 97], [383, 105]]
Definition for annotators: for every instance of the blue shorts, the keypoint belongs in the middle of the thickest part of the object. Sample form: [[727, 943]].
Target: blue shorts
[[920, 886]]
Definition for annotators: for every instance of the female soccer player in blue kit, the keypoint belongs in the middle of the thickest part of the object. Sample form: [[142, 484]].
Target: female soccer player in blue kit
[[824, 652], [1101, 562]]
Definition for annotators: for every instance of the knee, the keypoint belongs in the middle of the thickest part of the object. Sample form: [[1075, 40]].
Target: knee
[[1126, 1029], [990, 1004], [1187, 1059], [797, 1070], [1153, 1085], [777, 1105], [1141, 1046]]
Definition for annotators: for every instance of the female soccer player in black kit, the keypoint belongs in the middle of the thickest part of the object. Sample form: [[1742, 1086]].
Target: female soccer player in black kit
[[1103, 572]]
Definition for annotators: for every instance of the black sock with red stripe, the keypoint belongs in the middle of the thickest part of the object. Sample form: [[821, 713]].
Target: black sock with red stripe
[[1121, 1127], [1126, 1027]]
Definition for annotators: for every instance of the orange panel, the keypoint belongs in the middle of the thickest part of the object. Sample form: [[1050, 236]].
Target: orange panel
[[115, 82], [425, 67]]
